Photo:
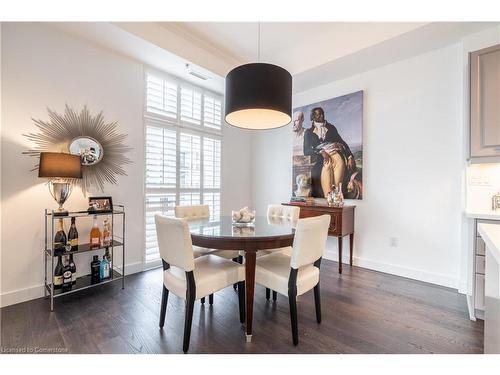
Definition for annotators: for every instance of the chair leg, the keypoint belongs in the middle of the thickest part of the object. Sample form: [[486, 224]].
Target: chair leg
[[241, 300], [268, 293], [317, 302], [188, 320], [275, 295], [202, 300], [235, 285], [163, 308], [292, 299], [211, 299], [293, 318], [187, 324]]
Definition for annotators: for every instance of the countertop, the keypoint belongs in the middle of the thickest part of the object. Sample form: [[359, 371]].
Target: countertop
[[485, 215], [490, 233]]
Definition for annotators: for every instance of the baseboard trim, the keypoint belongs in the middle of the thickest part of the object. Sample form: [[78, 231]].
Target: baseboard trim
[[37, 291], [411, 273]]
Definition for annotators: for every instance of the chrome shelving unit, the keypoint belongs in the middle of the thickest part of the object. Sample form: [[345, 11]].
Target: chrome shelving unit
[[84, 281]]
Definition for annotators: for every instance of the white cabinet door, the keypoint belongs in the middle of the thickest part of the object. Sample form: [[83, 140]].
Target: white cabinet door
[[479, 293], [492, 306], [485, 102]]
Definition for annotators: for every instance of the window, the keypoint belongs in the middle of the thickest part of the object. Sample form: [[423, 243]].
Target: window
[[183, 152]]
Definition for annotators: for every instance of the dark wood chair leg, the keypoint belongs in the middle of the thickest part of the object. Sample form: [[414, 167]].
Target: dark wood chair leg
[[275, 295], [292, 299], [351, 247], [340, 253], [202, 300], [268, 293], [190, 296], [238, 259], [211, 299], [293, 318], [317, 302], [241, 300], [163, 308]]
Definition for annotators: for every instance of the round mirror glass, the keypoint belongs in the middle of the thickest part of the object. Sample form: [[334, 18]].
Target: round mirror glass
[[90, 151]]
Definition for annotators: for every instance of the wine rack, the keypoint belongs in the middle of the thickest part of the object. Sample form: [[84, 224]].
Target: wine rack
[[84, 281]]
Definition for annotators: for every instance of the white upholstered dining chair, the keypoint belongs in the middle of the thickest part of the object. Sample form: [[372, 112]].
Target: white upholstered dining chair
[[279, 212], [189, 278], [202, 211], [295, 274]]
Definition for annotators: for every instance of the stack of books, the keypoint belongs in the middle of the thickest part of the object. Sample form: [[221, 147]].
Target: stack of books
[[306, 201]]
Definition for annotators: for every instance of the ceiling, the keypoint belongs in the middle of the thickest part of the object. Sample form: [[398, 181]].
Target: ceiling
[[296, 46], [314, 53]]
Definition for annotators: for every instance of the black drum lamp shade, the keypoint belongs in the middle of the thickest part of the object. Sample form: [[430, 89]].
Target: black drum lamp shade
[[59, 165], [258, 96]]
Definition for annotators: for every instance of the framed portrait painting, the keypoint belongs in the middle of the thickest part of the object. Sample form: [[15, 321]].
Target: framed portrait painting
[[328, 147]]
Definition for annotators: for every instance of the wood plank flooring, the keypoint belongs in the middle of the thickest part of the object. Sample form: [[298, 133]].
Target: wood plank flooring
[[363, 312]]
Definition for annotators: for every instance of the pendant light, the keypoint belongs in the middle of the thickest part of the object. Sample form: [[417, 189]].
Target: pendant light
[[258, 95]]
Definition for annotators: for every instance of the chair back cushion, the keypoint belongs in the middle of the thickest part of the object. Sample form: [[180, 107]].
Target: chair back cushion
[[310, 240], [200, 211], [174, 241], [283, 212]]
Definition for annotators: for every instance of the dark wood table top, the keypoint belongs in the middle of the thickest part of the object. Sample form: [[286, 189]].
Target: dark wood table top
[[265, 233]]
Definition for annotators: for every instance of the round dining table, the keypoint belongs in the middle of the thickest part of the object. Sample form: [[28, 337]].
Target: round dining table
[[264, 234]]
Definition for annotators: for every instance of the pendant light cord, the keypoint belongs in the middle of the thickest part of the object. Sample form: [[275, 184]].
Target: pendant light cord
[[258, 46]]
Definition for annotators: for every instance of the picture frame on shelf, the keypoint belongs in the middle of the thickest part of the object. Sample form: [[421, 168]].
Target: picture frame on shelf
[[100, 205]]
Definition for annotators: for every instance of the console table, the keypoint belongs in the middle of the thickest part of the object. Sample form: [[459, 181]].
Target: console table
[[341, 223]]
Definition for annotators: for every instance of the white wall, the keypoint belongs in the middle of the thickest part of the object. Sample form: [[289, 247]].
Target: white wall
[[413, 151], [44, 67]]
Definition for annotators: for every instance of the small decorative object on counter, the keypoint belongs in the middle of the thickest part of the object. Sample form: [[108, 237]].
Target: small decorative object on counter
[[60, 238], [335, 198], [95, 234], [58, 273], [95, 270], [243, 217], [73, 235], [106, 233], [495, 202], [100, 205]]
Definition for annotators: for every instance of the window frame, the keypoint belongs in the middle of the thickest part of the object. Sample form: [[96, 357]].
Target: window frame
[[180, 126]]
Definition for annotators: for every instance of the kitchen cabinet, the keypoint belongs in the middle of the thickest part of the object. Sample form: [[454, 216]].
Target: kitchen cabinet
[[485, 104]]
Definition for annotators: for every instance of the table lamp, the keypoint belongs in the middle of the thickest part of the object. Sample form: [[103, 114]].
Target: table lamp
[[60, 168]]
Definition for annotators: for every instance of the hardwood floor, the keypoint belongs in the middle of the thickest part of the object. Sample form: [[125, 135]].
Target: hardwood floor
[[363, 311]]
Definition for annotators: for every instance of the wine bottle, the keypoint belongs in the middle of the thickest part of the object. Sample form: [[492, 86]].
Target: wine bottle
[[95, 270], [106, 233], [60, 238], [73, 235], [104, 269], [95, 234], [73, 269], [107, 256], [58, 273], [67, 282]]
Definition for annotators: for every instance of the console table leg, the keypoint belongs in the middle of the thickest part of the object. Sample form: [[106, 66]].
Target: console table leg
[[340, 253], [351, 244]]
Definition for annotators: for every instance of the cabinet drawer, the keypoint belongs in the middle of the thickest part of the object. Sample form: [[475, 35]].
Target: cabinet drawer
[[479, 292], [335, 221], [479, 246], [480, 264]]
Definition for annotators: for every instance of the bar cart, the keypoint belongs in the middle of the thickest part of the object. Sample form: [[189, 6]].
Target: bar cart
[[83, 281]]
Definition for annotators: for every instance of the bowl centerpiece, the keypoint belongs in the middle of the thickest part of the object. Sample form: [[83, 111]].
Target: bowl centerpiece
[[243, 217]]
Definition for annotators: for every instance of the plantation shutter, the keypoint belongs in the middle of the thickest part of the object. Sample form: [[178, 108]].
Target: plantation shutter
[[161, 96], [212, 112], [190, 105], [182, 153]]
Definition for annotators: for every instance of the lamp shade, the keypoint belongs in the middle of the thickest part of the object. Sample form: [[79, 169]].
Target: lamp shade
[[258, 96], [61, 165]]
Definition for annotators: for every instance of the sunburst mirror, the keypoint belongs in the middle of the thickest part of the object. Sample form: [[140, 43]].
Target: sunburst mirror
[[100, 146]]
